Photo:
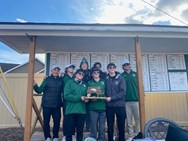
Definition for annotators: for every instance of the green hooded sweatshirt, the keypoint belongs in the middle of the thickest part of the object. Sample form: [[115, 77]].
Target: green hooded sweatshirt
[[72, 93], [132, 86], [98, 104], [66, 78]]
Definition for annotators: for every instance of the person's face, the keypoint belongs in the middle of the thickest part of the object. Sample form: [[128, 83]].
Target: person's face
[[55, 72], [79, 76], [96, 74], [127, 67], [111, 69], [84, 66], [98, 66], [70, 69]]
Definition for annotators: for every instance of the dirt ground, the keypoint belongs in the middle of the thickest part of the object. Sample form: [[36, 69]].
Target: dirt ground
[[14, 133], [11, 134]]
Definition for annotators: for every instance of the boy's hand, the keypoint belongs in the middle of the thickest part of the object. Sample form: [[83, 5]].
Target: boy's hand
[[108, 99], [34, 83]]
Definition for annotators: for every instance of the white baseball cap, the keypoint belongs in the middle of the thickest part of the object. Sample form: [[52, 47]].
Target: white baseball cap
[[125, 62], [69, 65], [55, 67]]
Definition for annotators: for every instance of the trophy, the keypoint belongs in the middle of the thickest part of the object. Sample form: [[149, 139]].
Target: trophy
[[94, 93]]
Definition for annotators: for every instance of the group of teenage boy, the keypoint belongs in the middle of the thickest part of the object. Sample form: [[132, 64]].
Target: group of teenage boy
[[89, 97]]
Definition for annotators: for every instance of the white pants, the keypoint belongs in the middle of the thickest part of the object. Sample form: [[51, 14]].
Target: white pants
[[132, 110]]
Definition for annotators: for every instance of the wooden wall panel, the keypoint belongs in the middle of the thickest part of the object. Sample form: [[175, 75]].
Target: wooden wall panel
[[168, 105], [18, 87]]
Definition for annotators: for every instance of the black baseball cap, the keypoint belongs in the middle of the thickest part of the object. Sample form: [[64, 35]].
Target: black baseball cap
[[94, 69], [79, 71], [111, 65]]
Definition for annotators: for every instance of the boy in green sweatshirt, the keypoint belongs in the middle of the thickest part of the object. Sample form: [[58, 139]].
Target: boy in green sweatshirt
[[131, 99], [97, 107], [75, 112]]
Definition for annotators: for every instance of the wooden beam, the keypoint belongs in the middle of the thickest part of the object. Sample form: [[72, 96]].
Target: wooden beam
[[140, 83], [38, 114], [38, 111], [36, 119], [29, 99]]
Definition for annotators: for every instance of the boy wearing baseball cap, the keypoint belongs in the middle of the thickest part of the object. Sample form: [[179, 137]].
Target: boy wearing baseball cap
[[131, 99], [75, 112], [51, 88], [97, 107]]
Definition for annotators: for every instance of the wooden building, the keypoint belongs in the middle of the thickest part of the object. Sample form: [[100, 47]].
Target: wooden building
[[157, 53]]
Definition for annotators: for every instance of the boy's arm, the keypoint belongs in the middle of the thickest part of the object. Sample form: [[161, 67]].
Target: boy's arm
[[39, 89]]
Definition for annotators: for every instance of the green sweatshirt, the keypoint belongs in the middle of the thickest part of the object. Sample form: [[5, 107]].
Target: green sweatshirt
[[40, 89], [132, 86], [72, 94], [98, 104], [66, 78]]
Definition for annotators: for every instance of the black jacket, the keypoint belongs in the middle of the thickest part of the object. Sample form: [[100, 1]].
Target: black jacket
[[52, 88], [116, 89], [87, 76], [103, 75]]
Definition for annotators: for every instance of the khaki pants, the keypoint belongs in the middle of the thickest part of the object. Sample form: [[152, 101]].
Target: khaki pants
[[132, 110]]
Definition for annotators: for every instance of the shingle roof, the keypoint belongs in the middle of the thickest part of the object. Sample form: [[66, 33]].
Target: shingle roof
[[7, 66]]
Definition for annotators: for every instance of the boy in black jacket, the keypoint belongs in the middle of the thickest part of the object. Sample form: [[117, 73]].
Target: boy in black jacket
[[51, 87], [115, 97]]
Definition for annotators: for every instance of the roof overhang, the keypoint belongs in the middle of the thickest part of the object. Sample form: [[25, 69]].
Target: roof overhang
[[94, 37]]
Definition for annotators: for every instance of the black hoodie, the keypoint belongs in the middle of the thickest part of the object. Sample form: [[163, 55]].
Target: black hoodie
[[116, 89], [87, 75]]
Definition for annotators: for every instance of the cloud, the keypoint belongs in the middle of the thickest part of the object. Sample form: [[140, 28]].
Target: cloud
[[185, 14], [131, 19], [115, 11], [170, 5], [161, 23], [21, 20], [143, 12], [176, 9]]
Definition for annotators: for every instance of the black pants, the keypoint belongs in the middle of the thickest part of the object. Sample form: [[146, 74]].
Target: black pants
[[56, 115], [74, 122], [120, 115], [87, 121], [64, 108]]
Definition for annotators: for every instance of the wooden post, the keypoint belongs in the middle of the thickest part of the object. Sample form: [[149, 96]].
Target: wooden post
[[36, 119], [29, 100], [37, 111], [140, 83]]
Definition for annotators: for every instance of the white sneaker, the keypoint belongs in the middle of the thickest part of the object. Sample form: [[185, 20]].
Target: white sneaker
[[89, 139], [48, 139], [73, 138], [114, 137], [129, 139], [64, 138], [55, 139], [87, 134]]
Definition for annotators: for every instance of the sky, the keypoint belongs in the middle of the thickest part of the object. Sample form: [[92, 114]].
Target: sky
[[153, 12]]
